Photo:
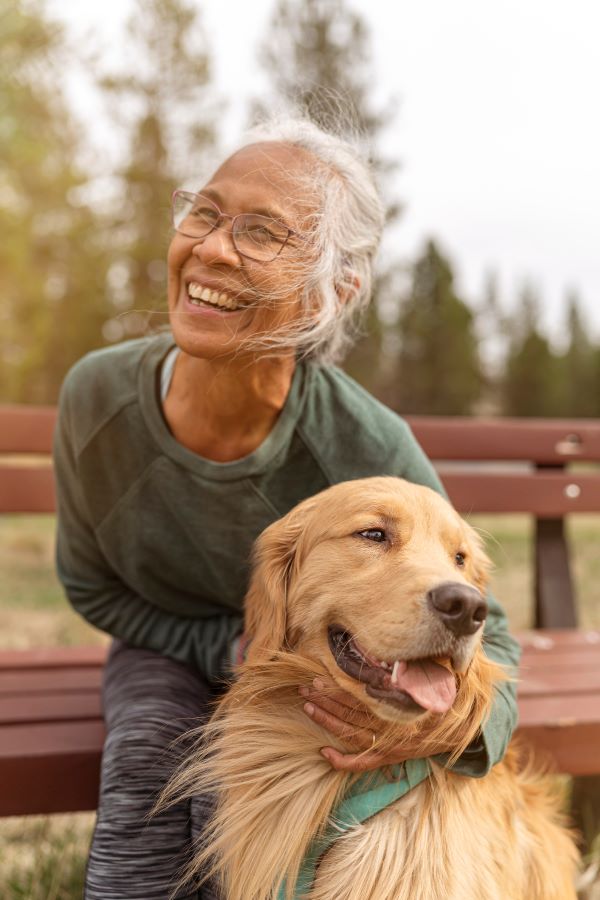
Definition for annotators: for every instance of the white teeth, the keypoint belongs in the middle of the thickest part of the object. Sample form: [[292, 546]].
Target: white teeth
[[395, 671], [384, 665], [197, 292]]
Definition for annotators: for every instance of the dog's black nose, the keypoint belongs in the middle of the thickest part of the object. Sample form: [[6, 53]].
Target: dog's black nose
[[461, 608]]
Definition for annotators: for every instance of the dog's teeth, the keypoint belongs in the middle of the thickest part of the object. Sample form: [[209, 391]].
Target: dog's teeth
[[395, 671], [384, 665]]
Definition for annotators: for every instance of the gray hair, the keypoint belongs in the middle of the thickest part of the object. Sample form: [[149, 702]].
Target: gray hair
[[346, 233]]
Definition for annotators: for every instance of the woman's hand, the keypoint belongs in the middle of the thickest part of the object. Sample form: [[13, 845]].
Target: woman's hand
[[343, 716]]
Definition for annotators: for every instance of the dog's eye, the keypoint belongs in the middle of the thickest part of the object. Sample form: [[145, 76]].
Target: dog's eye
[[459, 559], [373, 534]]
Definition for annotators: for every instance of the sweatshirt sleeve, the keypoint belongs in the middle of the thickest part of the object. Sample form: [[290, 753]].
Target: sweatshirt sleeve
[[498, 645], [103, 599]]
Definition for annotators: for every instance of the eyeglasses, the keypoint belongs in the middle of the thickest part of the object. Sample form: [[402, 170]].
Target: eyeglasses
[[255, 237]]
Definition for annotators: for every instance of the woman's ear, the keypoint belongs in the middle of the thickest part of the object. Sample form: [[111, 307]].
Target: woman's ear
[[275, 557]]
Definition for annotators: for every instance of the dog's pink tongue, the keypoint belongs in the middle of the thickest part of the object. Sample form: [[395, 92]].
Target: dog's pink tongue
[[429, 684]]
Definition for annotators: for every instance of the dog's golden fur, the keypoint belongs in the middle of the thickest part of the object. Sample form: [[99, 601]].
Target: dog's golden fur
[[450, 838]]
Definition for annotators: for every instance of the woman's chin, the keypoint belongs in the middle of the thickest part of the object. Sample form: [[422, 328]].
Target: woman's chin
[[207, 337]]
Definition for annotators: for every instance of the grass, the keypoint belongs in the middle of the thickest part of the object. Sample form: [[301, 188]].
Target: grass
[[43, 857]]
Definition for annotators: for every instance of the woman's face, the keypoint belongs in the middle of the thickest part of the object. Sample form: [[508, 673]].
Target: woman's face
[[260, 178]]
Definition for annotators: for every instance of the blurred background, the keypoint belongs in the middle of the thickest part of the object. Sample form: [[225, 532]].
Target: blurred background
[[483, 125]]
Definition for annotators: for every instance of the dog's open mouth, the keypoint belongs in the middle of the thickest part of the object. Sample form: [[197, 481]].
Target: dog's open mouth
[[416, 685]]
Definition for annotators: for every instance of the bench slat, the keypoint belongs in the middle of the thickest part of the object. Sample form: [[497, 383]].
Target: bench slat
[[50, 768], [573, 750], [560, 682], [27, 489], [538, 441], [50, 681], [547, 495], [53, 657], [26, 429], [41, 708], [553, 640], [578, 708]]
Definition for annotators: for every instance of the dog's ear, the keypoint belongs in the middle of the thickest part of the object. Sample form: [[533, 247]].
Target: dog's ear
[[274, 561]]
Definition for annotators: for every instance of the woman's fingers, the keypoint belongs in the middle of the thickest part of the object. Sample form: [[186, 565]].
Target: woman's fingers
[[357, 762], [359, 737], [352, 715], [326, 687]]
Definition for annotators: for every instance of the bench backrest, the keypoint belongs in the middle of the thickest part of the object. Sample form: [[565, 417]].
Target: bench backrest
[[545, 467], [487, 466], [26, 480]]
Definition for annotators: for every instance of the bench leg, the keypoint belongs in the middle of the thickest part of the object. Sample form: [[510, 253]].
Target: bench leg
[[585, 808], [554, 592]]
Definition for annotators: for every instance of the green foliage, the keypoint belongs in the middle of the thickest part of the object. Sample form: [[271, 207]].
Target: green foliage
[[318, 56], [164, 111], [578, 367], [437, 368], [532, 382], [52, 255]]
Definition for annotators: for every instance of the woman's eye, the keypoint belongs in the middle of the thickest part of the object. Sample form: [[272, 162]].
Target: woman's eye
[[373, 534], [459, 559]]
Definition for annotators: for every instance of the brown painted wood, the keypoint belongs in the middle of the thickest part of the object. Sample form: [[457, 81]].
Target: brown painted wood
[[53, 657], [535, 440], [27, 489], [555, 601], [535, 643], [573, 750], [50, 768], [575, 660], [558, 681], [565, 710], [49, 681], [26, 429], [59, 707], [545, 495]]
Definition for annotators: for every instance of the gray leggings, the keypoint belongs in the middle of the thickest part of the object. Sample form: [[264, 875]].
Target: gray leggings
[[149, 701]]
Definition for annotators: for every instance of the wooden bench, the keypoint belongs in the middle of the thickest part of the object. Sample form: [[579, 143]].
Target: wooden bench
[[51, 728]]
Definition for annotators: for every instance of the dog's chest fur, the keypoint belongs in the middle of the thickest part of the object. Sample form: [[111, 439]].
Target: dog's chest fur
[[452, 838]]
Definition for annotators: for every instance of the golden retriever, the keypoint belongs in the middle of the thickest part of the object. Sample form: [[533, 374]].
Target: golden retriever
[[378, 584]]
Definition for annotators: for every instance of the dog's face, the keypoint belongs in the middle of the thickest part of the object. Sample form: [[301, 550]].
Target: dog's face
[[382, 582]]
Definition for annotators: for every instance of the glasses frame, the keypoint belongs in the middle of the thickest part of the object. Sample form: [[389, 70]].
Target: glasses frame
[[191, 196]]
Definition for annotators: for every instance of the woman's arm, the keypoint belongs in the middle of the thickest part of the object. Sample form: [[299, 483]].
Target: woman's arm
[[101, 597]]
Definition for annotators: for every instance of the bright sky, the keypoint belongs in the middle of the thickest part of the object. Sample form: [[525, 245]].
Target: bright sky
[[498, 129]]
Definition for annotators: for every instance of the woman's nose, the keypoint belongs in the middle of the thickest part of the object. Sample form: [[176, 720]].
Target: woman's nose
[[217, 246]]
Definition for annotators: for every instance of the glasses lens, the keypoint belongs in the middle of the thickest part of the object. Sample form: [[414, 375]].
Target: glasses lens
[[259, 237], [193, 214]]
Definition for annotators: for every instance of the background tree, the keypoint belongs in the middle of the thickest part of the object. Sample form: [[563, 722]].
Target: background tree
[[53, 257], [532, 384], [577, 367], [437, 369], [165, 108], [317, 54]]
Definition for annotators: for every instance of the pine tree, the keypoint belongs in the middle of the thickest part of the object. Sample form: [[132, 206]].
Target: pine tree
[[52, 256], [577, 366], [532, 384], [437, 368], [164, 102], [318, 56]]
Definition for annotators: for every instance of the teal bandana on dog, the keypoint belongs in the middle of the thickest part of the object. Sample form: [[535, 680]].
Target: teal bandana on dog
[[366, 797]]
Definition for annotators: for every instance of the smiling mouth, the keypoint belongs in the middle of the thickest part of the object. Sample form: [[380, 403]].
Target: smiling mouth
[[200, 295], [414, 686]]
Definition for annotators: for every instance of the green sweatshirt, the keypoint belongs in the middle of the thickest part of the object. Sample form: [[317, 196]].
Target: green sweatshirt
[[154, 541]]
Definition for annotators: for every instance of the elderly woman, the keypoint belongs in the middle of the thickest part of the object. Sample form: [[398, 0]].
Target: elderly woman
[[174, 451]]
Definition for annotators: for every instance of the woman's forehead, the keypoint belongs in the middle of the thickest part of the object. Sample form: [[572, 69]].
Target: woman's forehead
[[271, 174]]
